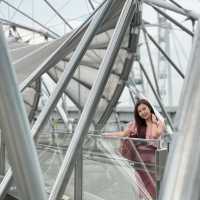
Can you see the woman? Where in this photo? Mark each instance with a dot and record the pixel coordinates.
(147, 126)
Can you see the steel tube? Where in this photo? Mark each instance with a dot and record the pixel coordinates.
(171, 7)
(70, 68)
(16, 131)
(93, 100)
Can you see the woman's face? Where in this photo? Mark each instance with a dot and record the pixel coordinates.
(144, 111)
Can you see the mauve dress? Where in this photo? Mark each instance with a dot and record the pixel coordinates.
(147, 154)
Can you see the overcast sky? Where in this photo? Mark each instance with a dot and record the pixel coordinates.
(74, 11)
(77, 11)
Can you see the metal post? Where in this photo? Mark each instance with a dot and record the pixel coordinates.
(162, 64)
(92, 101)
(15, 127)
(78, 176)
(118, 122)
(151, 61)
(5, 184)
(2, 154)
(165, 55)
(130, 92)
(181, 178)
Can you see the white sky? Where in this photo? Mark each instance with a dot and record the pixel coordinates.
(77, 11)
(74, 11)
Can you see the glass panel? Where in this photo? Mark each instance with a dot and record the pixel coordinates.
(121, 168)
(113, 168)
(51, 147)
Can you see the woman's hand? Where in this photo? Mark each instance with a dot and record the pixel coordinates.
(158, 128)
(154, 119)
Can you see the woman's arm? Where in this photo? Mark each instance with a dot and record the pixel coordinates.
(124, 133)
(131, 129)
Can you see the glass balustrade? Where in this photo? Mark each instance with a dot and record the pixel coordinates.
(113, 168)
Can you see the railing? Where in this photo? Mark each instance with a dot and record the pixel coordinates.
(146, 158)
(104, 170)
(106, 173)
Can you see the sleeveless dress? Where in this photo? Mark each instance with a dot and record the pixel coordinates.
(145, 153)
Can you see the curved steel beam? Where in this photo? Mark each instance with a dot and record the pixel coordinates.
(166, 5)
(92, 102)
(26, 15)
(174, 21)
(131, 53)
(165, 55)
(91, 4)
(36, 100)
(13, 24)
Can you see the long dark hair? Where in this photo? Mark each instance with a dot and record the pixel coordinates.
(140, 122)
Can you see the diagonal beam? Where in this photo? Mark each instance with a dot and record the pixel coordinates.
(175, 3)
(134, 33)
(6, 183)
(2, 154)
(59, 53)
(8, 177)
(59, 108)
(65, 48)
(165, 55)
(67, 93)
(151, 61)
(171, 7)
(21, 150)
(93, 100)
(53, 59)
(91, 4)
(174, 21)
(71, 67)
